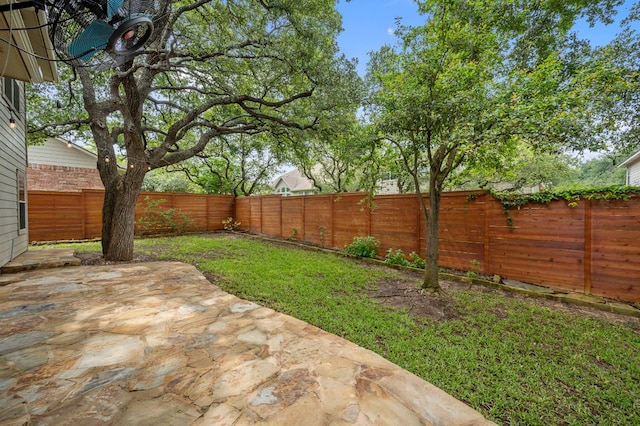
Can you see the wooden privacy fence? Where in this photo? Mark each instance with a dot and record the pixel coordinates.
(592, 248)
(57, 216)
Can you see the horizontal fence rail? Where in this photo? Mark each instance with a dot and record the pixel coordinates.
(593, 247)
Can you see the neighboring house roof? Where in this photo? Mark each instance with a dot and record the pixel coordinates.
(295, 180)
(29, 55)
(58, 152)
(631, 160)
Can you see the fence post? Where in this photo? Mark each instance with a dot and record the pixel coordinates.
(281, 214)
(261, 215)
(588, 233)
(333, 225)
(303, 232)
(369, 216)
(486, 267)
(83, 206)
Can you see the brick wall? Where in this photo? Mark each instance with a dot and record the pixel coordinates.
(42, 177)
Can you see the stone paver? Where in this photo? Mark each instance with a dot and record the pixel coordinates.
(157, 344)
(41, 259)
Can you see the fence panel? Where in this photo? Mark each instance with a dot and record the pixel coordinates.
(55, 216)
(293, 217)
(395, 222)
(318, 219)
(242, 213)
(615, 254)
(219, 208)
(78, 215)
(271, 215)
(93, 201)
(461, 234)
(255, 223)
(544, 244)
(351, 217)
(195, 206)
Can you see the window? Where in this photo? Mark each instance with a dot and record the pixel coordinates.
(12, 93)
(284, 191)
(22, 201)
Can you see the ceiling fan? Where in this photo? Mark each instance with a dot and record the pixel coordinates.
(100, 34)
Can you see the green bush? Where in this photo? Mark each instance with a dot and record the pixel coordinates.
(396, 257)
(363, 247)
(230, 224)
(157, 219)
(416, 261)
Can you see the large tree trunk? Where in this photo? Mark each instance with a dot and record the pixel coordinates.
(431, 269)
(118, 215)
(431, 216)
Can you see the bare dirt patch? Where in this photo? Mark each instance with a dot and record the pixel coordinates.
(404, 292)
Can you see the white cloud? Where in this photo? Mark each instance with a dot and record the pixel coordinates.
(390, 31)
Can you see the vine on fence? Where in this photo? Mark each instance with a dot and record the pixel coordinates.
(512, 200)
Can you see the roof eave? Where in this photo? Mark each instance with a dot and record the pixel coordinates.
(631, 160)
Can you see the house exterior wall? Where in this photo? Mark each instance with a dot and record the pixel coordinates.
(43, 177)
(56, 152)
(282, 188)
(58, 166)
(633, 174)
(13, 161)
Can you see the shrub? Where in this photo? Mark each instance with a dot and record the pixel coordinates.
(416, 261)
(396, 258)
(322, 230)
(230, 224)
(156, 218)
(363, 247)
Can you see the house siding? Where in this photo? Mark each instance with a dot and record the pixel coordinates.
(54, 166)
(633, 174)
(54, 152)
(13, 158)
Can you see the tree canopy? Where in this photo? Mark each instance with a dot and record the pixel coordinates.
(215, 68)
(476, 81)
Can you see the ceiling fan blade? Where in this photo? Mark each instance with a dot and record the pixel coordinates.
(93, 39)
(112, 7)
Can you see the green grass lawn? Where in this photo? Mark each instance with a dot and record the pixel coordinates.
(518, 361)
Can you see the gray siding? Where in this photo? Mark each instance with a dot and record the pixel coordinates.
(633, 174)
(13, 157)
(54, 152)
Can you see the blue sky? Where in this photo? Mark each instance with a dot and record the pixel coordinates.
(369, 24)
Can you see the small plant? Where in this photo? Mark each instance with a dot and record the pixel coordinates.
(416, 261)
(157, 218)
(396, 257)
(230, 224)
(363, 247)
(323, 234)
(294, 234)
(476, 265)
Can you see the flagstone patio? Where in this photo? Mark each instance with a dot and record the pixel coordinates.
(158, 344)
